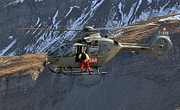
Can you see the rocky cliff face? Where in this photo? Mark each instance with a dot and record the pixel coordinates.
(132, 82)
(70, 14)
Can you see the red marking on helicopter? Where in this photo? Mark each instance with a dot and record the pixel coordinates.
(164, 28)
(93, 60)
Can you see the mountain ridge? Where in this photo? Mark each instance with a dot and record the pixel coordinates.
(68, 14)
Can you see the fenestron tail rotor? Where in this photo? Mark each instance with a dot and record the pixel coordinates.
(162, 45)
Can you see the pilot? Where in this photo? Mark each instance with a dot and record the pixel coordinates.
(84, 58)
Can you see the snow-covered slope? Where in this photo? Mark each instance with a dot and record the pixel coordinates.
(68, 14)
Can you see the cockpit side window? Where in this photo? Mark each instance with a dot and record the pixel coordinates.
(70, 52)
(61, 49)
(57, 52)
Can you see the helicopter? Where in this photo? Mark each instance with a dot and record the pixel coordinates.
(102, 49)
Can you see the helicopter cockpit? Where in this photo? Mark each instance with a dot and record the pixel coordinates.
(57, 52)
(69, 53)
(67, 50)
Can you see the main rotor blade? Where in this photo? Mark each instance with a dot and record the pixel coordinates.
(124, 27)
(84, 29)
(50, 29)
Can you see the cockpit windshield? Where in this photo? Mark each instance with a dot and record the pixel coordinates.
(58, 51)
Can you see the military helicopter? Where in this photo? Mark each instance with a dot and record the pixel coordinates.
(102, 49)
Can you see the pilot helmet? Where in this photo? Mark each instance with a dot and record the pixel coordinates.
(83, 53)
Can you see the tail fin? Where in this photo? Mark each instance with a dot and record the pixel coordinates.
(161, 44)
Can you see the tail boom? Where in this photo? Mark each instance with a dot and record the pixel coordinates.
(160, 44)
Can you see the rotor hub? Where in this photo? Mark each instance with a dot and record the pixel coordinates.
(162, 45)
(87, 28)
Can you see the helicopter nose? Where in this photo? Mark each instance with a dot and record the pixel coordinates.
(51, 59)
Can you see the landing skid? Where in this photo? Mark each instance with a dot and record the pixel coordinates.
(77, 73)
(83, 74)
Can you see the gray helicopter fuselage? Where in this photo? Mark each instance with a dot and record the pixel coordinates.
(99, 49)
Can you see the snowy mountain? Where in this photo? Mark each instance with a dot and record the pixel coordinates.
(70, 14)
